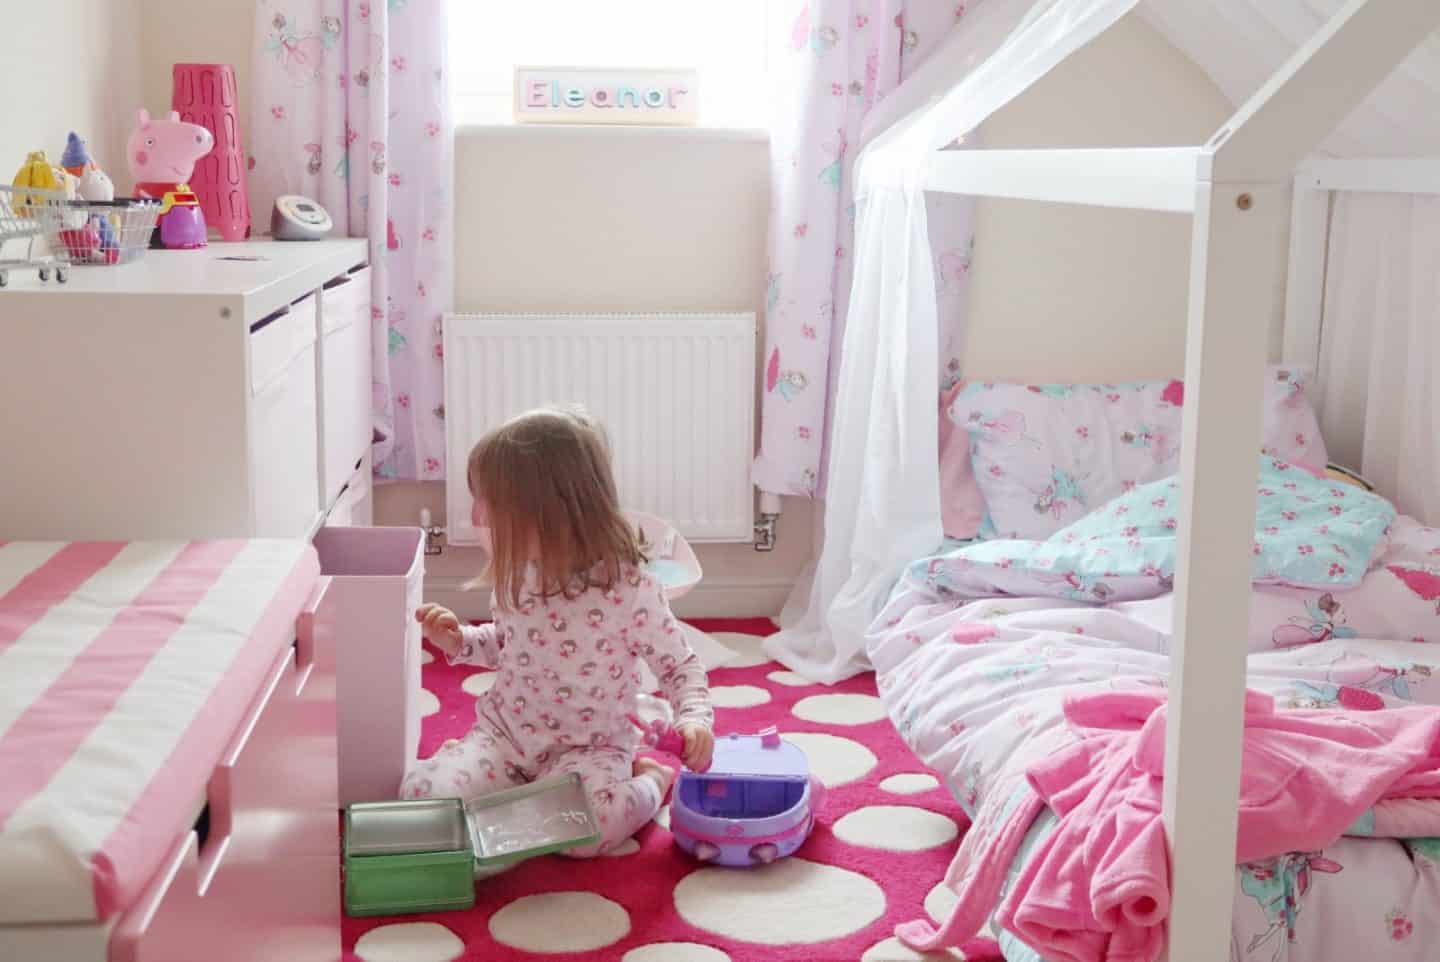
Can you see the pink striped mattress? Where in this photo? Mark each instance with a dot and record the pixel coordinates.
(124, 670)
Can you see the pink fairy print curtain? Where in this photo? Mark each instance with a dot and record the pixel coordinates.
(836, 60)
(351, 106)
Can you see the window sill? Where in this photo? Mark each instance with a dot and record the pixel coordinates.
(724, 134)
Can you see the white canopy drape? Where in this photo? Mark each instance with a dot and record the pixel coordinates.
(882, 500)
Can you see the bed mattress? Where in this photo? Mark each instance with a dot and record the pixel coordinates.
(975, 687)
(124, 670)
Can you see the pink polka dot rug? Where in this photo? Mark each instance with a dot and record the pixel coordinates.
(876, 857)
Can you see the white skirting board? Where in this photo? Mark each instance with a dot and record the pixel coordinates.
(712, 598)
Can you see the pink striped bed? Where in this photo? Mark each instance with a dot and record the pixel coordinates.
(124, 670)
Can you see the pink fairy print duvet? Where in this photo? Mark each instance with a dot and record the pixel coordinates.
(975, 687)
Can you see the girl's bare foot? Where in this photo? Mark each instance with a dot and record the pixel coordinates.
(662, 775)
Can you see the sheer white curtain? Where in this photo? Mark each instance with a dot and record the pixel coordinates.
(1380, 349)
(882, 506)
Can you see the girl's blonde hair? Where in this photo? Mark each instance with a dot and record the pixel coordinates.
(546, 482)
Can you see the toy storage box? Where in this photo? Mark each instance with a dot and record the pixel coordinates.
(424, 855)
(377, 575)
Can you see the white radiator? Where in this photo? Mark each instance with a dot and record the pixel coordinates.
(676, 393)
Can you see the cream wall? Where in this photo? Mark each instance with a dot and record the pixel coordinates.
(1062, 292)
(608, 219)
(195, 31)
(69, 65)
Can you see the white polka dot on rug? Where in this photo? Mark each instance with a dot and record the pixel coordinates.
(429, 704)
(939, 902)
(738, 696)
(789, 679)
(627, 847)
(530, 923)
(409, 942)
(675, 952)
(425, 656)
(909, 783)
(893, 950)
(834, 760)
(479, 683)
(895, 828)
(749, 649)
(786, 902)
(840, 709)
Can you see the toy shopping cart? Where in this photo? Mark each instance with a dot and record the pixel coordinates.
(76, 232)
(97, 233)
(26, 215)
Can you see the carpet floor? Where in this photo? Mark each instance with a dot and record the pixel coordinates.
(879, 849)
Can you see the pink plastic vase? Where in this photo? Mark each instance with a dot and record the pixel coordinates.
(204, 94)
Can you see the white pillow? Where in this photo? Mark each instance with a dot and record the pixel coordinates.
(1044, 455)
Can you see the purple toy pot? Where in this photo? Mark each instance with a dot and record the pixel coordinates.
(756, 803)
(182, 228)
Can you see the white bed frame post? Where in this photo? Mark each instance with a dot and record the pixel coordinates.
(1238, 220)
(1305, 280)
(1237, 245)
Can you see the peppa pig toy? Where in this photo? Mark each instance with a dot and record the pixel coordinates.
(162, 156)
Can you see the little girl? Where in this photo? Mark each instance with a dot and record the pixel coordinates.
(575, 614)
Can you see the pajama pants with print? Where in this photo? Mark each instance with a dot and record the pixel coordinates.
(485, 761)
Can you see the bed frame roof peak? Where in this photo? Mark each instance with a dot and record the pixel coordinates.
(1265, 140)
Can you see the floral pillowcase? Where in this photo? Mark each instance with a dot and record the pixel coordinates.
(1042, 456)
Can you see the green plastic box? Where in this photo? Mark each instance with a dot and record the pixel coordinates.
(403, 857)
(425, 855)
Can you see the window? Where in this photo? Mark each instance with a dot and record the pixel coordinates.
(725, 41)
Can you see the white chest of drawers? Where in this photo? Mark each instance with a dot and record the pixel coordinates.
(190, 395)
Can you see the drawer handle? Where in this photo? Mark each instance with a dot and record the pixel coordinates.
(305, 635)
(125, 940)
(269, 319)
(220, 791)
(279, 375)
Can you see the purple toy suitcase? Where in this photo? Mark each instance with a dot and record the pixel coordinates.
(756, 803)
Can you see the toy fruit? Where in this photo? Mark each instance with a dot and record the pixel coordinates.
(35, 172)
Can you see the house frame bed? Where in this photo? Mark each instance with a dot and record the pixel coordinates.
(1234, 187)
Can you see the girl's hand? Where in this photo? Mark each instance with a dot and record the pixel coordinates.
(440, 626)
(699, 746)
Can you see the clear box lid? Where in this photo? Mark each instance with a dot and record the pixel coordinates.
(546, 816)
(764, 756)
(408, 828)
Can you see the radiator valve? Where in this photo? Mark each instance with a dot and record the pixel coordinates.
(765, 531)
(767, 525)
(434, 534)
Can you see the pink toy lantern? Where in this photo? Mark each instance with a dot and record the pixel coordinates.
(204, 94)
